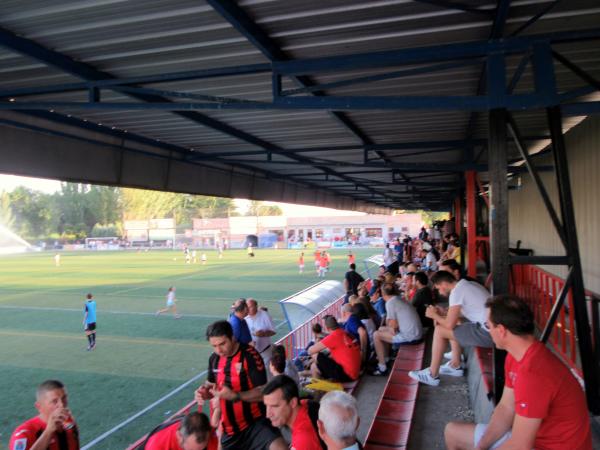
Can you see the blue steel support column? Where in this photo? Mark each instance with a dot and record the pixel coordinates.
(498, 213)
(584, 335)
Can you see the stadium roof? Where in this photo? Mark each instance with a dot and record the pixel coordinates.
(354, 104)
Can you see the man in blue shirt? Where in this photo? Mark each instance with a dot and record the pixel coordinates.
(89, 321)
(241, 331)
(355, 328)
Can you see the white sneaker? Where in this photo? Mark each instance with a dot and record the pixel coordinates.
(424, 376)
(448, 355)
(447, 369)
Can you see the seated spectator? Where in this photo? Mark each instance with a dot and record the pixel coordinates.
(354, 327)
(466, 299)
(542, 405)
(243, 420)
(408, 286)
(239, 325)
(285, 409)
(450, 265)
(54, 426)
(371, 312)
(352, 299)
(338, 421)
(280, 365)
(192, 432)
(344, 359)
(318, 333)
(423, 298)
(359, 310)
(402, 325)
(430, 262)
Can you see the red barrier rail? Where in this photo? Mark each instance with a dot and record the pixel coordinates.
(293, 342)
(540, 289)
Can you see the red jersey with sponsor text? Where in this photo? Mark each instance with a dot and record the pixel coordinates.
(545, 389)
(28, 432)
(240, 372)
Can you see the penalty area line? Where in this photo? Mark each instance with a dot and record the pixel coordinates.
(127, 421)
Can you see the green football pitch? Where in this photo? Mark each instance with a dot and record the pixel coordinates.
(139, 358)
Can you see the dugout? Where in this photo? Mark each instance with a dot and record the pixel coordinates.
(304, 305)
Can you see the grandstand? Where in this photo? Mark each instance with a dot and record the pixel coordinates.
(10, 243)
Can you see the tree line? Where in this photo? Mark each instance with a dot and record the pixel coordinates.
(78, 210)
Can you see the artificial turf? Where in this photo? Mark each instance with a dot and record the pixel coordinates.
(139, 357)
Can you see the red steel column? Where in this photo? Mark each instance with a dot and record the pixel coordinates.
(471, 223)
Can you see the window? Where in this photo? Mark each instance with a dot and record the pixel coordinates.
(374, 232)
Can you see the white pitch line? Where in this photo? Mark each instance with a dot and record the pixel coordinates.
(142, 412)
(135, 313)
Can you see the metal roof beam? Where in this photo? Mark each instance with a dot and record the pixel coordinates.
(443, 52)
(515, 102)
(240, 20)
(456, 5)
(89, 73)
(249, 69)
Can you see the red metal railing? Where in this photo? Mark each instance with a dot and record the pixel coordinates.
(293, 342)
(540, 290)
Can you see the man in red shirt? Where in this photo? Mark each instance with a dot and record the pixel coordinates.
(543, 405)
(53, 428)
(236, 375)
(192, 432)
(284, 408)
(343, 362)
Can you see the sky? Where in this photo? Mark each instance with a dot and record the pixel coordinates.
(9, 182)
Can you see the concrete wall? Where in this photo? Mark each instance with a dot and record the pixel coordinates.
(529, 221)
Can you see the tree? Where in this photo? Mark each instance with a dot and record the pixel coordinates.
(6, 215)
(32, 212)
(260, 209)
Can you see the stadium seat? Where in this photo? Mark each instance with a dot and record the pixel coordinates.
(391, 427)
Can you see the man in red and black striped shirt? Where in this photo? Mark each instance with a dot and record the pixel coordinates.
(236, 375)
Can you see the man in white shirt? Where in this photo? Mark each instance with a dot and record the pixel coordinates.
(466, 300)
(388, 256)
(261, 328)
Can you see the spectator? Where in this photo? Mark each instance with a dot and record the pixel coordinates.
(338, 421)
(450, 265)
(53, 428)
(399, 251)
(284, 408)
(423, 298)
(343, 362)
(430, 262)
(318, 333)
(261, 329)
(402, 326)
(355, 328)
(351, 281)
(388, 256)
(192, 432)
(240, 326)
(542, 406)
(280, 365)
(371, 312)
(360, 310)
(236, 375)
(466, 299)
